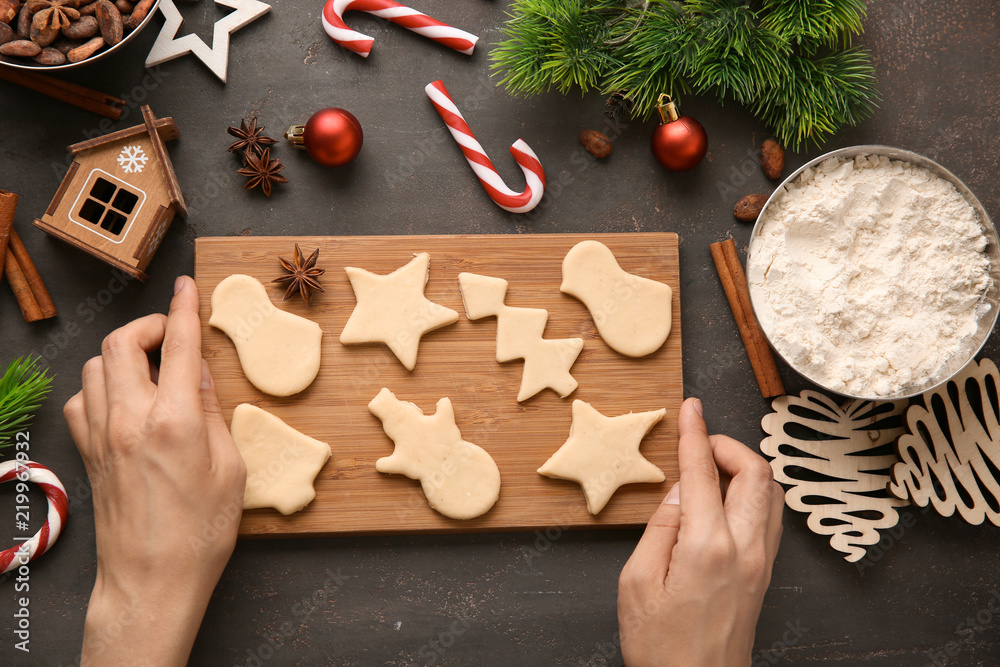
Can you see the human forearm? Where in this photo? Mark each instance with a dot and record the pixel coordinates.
(163, 468)
(156, 625)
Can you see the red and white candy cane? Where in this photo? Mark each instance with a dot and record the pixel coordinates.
(505, 198)
(411, 19)
(58, 511)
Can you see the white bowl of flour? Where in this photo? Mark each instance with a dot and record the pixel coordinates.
(874, 272)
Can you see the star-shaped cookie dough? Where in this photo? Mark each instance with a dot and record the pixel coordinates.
(393, 310)
(282, 463)
(602, 453)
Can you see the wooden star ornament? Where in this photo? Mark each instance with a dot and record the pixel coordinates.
(393, 310)
(216, 57)
(602, 453)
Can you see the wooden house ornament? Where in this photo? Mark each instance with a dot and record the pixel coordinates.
(120, 195)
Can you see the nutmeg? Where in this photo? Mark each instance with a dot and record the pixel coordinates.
(20, 47)
(86, 50)
(110, 22)
(772, 159)
(596, 143)
(748, 208)
(84, 28)
(50, 56)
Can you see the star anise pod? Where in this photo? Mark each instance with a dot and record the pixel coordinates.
(302, 275)
(35, 6)
(262, 171)
(250, 138)
(50, 17)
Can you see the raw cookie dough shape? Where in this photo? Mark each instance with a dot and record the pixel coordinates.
(460, 479)
(281, 462)
(632, 313)
(602, 453)
(519, 336)
(393, 310)
(279, 351)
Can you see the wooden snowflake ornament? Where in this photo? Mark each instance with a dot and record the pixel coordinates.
(837, 462)
(950, 455)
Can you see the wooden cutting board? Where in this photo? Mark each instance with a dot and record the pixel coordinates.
(456, 361)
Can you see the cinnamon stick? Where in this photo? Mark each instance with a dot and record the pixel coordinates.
(22, 290)
(8, 205)
(26, 267)
(71, 93)
(734, 283)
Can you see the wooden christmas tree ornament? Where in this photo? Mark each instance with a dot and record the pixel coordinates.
(837, 462)
(950, 454)
(120, 195)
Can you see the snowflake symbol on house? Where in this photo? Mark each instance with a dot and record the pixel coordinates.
(132, 159)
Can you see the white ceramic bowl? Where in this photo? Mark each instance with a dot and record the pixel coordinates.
(31, 65)
(987, 318)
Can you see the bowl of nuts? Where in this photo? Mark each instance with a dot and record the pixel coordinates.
(62, 34)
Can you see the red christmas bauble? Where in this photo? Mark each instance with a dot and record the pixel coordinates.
(333, 136)
(680, 142)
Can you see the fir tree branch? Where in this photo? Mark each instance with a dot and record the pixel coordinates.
(776, 57)
(654, 60)
(815, 22)
(23, 387)
(735, 56)
(819, 96)
(555, 43)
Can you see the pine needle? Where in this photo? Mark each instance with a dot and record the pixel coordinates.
(23, 387)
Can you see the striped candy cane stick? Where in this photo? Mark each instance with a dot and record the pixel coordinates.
(58, 511)
(504, 197)
(411, 19)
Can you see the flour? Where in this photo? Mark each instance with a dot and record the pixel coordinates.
(868, 275)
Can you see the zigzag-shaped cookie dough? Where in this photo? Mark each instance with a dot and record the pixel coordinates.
(519, 336)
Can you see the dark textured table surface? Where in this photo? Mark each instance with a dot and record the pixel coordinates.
(509, 598)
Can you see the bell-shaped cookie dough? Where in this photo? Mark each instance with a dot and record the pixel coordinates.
(392, 309)
(519, 336)
(281, 462)
(460, 479)
(632, 313)
(602, 453)
(279, 351)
